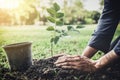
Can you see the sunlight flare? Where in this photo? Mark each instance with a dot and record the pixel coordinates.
(10, 4)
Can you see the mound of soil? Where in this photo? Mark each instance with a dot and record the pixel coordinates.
(45, 69)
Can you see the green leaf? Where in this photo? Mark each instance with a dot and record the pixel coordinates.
(56, 7)
(80, 26)
(64, 34)
(50, 28)
(51, 19)
(51, 11)
(52, 40)
(76, 30)
(63, 31)
(58, 31)
(60, 15)
(56, 39)
(59, 23)
(70, 28)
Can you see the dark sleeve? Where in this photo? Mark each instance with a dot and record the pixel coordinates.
(105, 30)
(117, 48)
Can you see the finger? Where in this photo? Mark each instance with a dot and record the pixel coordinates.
(78, 64)
(61, 60)
(71, 67)
(59, 55)
(73, 58)
(77, 68)
(70, 64)
(68, 58)
(64, 59)
(82, 68)
(62, 64)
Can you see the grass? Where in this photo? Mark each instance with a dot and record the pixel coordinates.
(40, 37)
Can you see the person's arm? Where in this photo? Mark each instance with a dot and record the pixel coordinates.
(107, 24)
(100, 40)
(106, 59)
(89, 52)
(110, 56)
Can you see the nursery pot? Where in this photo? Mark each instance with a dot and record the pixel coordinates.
(19, 56)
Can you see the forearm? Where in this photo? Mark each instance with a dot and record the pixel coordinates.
(89, 52)
(106, 59)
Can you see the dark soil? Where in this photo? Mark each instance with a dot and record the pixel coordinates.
(45, 69)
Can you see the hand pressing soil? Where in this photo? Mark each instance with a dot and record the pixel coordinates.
(80, 63)
(46, 70)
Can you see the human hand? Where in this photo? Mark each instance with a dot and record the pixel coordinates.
(76, 62)
(59, 55)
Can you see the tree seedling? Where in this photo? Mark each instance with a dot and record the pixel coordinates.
(56, 18)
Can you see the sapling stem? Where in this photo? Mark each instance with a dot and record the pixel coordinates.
(54, 34)
(54, 17)
(52, 49)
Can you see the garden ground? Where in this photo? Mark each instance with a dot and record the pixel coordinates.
(40, 37)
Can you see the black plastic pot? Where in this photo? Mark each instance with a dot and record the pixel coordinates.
(19, 56)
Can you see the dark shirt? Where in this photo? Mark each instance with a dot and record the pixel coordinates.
(107, 24)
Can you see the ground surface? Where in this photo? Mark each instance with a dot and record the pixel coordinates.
(73, 45)
(45, 69)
